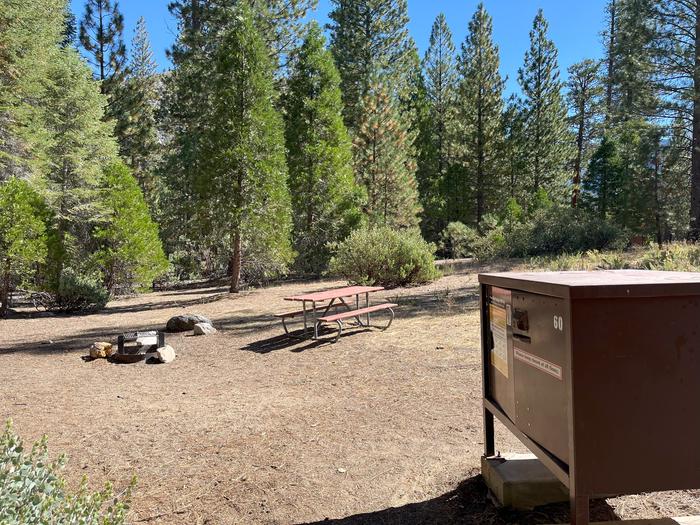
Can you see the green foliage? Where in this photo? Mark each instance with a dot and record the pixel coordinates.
(370, 43)
(32, 491)
(585, 100)
(80, 144)
(138, 133)
(602, 185)
(242, 186)
(678, 257)
(433, 142)
(458, 240)
(22, 235)
(474, 185)
(101, 31)
(384, 162)
(29, 35)
(385, 256)
(129, 254)
(78, 292)
(547, 140)
(549, 229)
(325, 198)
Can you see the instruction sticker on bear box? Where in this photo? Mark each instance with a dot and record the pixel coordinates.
(499, 352)
(539, 363)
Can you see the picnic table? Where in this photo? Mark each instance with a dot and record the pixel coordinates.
(339, 299)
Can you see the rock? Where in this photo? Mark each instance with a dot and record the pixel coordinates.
(185, 322)
(165, 354)
(204, 329)
(101, 349)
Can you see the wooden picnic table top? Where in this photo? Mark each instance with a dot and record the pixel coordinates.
(335, 293)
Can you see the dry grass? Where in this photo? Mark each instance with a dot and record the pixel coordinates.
(245, 427)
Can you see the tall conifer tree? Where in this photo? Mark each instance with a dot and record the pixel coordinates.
(547, 140)
(584, 95)
(435, 153)
(243, 182)
(101, 35)
(678, 61)
(140, 141)
(633, 89)
(384, 161)
(325, 198)
(479, 136)
(369, 39)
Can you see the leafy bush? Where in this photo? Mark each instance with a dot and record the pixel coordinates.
(457, 240)
(384, 256)
(130, 254)
(79, 293)
(32, 491)
(679, 257)
(549, 230)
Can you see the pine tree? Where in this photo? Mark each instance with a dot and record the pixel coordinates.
(602, 183)
(101, 36)
(677, 56)
(584, 96)
(478, 128)
(633, 90)
(22, 235)
(325, 198)
(609, 39)
(435, 155)
(384, 163)
(369, 40)
(129, 253)
(29, 33)
(242, 185)
(140, 142)
(513, 130)
(182, 121)
(547, 141)
(80, 145)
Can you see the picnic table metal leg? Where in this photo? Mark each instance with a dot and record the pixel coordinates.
(367, 305)
(303, 307)
(313, 305)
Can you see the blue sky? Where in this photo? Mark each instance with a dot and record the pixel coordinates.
(575, 26)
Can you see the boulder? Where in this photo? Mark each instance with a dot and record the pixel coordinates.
(185, 322)
(101, 349)
(204, 329)
(165, 354)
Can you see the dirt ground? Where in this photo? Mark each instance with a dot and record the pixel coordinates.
(247, 426)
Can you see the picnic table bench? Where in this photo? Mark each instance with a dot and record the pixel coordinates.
(313, 303)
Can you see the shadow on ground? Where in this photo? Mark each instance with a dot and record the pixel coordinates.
(470, 504)
(294, 342)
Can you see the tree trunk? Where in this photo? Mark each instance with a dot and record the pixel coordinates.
(611, 65)
(579, 155)
(5, 290)
(236, 262)
(694, 233)
(657, 200)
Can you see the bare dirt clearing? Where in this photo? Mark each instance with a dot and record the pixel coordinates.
(247, 426)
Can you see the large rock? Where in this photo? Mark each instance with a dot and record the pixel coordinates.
(185, 322)
(165, 354)
(204, 329)
(101, 349)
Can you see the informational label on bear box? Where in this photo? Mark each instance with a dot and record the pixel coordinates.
(539, 363)
(499, 352)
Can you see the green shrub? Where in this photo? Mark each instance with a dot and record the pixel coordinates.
(384, 256)
(457, 240)
(32, 492)
(549, 230)
(79, 293)
(679, 257)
